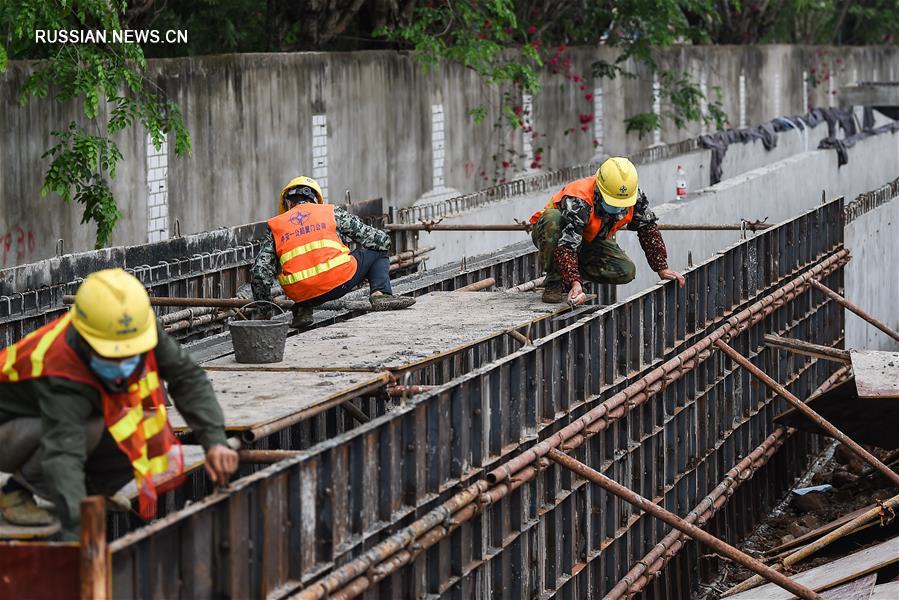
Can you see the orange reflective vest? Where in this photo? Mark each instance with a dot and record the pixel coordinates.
(136, 418)
(313, 259)
(583, 189)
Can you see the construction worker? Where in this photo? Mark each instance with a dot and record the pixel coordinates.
(575, 233)
(83, 407)
(306, 248)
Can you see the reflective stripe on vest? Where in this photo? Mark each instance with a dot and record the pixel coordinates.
(313, 271)
(316, 245)
(37, 357)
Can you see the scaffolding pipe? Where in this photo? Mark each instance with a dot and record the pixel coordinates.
(370, 567)
(748, 226)
(719, 546)
(477, 286)
(527, 286)
(854, 308)
(809, 412)
(639, 576)
(196, 302)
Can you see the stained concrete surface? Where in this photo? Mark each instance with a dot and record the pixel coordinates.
(252, 398)
(439, 322)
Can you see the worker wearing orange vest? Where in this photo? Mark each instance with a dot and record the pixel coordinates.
(83, 407)
(575, 233)
(306, 247)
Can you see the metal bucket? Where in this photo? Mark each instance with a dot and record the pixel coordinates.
(257, 342)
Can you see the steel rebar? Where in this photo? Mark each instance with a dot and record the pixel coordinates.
(643, 570)
(521, 469)
(719, 546)
(809, 412)
(477, 286)
(200, 302)
(749, 226)
(857, 310)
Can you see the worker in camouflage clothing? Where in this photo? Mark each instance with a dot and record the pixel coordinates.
(306, 249)
(575, 233)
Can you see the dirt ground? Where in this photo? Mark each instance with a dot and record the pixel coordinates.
(853, 488)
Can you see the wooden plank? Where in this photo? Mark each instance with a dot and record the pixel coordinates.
(439, 322)
(859, 589)
(886, 591)
(250, 399)
(820, 531)
(826, 576)
(24, 569)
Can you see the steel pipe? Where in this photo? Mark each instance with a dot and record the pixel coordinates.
(748, 226)
(527, 286)
(854, 308)
(813, 350)
(477, 286)
(719, 546)
(266, 456)
(409, 254)
(642, 572)
(398, 391)
(809, 412)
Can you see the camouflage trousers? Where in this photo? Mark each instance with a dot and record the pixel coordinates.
(600, 261)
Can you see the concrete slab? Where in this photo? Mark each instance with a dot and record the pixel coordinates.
(251, 399)
(438, 323)
(876, 373)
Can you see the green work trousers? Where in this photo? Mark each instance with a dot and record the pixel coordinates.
(600, 261)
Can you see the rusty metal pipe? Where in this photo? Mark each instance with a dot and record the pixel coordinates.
(808, 349)
(809, 412)
(409, 254)
(398, 391)
(749, 226)
(527, 286)
(204, 302)
(520, 469)
(643, 571)
(854, 308)
(719, 546)
(477, 286)
(266, 456)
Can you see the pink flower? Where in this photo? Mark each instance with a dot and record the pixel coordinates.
(506, 164)
(577, 78)
(588, 96)
(532, 30)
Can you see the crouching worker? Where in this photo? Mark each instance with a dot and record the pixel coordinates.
(83, 407)
(306, 247)
(575, 233)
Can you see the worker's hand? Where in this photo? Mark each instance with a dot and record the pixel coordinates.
(576, 294)
(673, 275)
(221, 463)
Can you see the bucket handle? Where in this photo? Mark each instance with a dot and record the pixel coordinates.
(244, 317)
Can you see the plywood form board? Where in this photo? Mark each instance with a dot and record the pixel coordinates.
(438, 323)
(876, 373)
(886, 591)
(826, 576)
(858, 589)
(253, 398)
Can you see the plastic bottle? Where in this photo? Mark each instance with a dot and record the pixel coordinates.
(681, 183)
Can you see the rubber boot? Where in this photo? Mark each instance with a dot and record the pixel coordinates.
(302, 317)
(554, 295)
(382, 301)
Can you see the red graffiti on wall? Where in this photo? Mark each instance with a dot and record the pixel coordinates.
(16, 243)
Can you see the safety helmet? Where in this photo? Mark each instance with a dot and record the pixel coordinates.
(112, 313)
(616, 179)
(296, 182)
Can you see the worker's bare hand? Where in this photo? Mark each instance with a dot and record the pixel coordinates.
(673, 275)
(576, 294)
(221, 463)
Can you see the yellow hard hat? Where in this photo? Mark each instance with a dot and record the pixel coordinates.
(112, 313)
(616, 179)
(297, 182)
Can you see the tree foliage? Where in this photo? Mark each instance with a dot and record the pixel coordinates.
(107, 79)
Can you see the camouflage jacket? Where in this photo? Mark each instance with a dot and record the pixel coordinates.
(264, 272)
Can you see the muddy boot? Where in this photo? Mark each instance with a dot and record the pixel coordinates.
(382, 301)
(19, 508)
(554, 295)
(302, 317)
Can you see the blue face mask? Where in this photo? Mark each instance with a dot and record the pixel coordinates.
(612, 210)
(114, 370)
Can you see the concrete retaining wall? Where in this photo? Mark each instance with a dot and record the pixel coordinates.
(366, 121)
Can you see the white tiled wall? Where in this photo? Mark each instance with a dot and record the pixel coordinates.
(598, 121)
(656, 108)
(742, 92)
(438, 147)
(157, 192)
(320, 152)
(527, 148)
